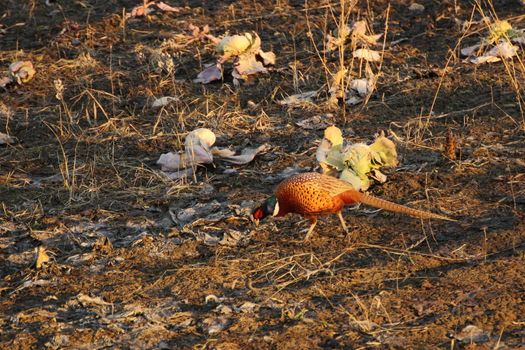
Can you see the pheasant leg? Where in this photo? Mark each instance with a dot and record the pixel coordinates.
(348, 236)
(343, 223)
(313, 222)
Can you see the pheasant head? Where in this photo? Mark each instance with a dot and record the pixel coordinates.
(269, 207)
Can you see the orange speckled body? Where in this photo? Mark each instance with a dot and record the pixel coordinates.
(311, 194)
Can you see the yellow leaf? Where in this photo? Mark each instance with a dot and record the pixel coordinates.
(386, 150)
(236, 45)
(41, 257)
(334, 135)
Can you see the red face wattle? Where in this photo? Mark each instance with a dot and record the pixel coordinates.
(258, 214)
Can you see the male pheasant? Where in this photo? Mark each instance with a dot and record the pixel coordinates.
(314, 194)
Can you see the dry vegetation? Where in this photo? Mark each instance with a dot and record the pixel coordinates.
(115, 271)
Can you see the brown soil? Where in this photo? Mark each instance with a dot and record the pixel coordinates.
(82, 182)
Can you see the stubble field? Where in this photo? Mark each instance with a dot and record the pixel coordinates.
(127, 270)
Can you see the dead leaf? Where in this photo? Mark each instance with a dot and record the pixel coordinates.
(21, 71)
(332, 140)
(367, 55)
(163, 101)
(201, 136)
(41, 257)
(353, 100)
(161, 61)
(503, 49)
(103, 245)
(86, 300)
(518, 36)
(360, 85)
(6, 139)
(450, 145)
(197, 33)
(287, 172)
(170, 161)
(248, 65)
(224, 309)
(188, 215)
(470, 50)
(196, 155)
(5, 81)
(269, 57)
(336, 87)
(357, 33)
(497, 45)
(317, 122)
(146, 9)
(472, 334)
(246, 156)
(338, 39)
(298, 99)
(415, 7)
(166, 8)
(175, 162)
(177, 175)
(485, 59)
(248, 307)
(243, 49)
(359, 36)
(217, 324)
(366, 326)
(209, 74)
(232, 238)
(198, 151)
(141, 10)
(32, 283)
(378, 176)
(35, 314)
(212, 298)
(322, 152)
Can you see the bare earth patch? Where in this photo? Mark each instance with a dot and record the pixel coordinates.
(132, 259)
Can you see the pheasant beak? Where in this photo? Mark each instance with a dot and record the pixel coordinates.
(254, 220)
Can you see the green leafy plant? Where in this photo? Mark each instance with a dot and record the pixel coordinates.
(358, 163)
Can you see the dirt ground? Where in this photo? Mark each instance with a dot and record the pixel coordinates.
(82, 183)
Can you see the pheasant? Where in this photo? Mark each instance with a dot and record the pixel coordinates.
(314, 194)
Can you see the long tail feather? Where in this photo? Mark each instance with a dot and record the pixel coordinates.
(353, 196)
